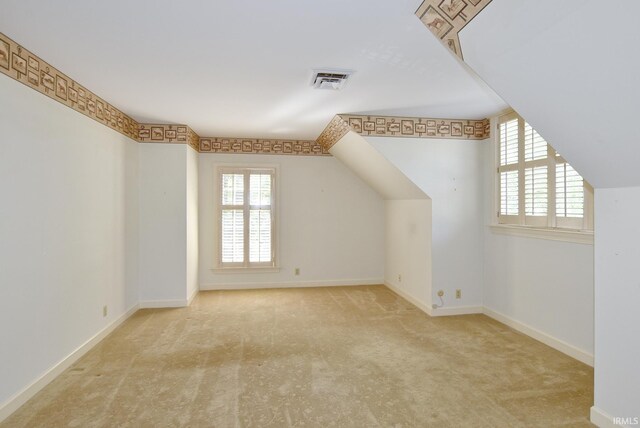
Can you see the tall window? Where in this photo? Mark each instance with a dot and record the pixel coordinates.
(246, 217)
(537, 187)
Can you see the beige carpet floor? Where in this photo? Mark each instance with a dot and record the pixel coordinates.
(323, 357)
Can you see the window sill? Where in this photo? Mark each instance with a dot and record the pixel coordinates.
(246, 270)
(564, 235)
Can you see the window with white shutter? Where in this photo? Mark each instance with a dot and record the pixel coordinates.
(246, 230)
(536, 186)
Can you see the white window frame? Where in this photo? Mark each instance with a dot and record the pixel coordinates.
(246, 265)
(579, 230)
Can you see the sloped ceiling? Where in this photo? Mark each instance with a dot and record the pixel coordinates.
(242, 68)
(570, 69)
(374, 169)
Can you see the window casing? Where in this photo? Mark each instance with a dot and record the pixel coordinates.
(246, 222)
(536, 186)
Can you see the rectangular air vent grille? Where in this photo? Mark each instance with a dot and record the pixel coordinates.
(330, 79)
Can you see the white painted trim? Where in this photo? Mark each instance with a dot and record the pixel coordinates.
(151, 304)
(601, 419)
(193, 296)
(418, 303)
(456, 310)
(435, 312)
(218, 170)
(290, 284)
(534, 333)
(244, 270)
(540, 336)
(564, 235)
(13, 403)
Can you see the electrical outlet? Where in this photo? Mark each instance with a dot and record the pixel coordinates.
(399, 278)
(458, 294)
(105, 310)
(440, 293)
(297, 271)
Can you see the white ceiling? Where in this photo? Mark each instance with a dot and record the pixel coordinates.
(242, 67)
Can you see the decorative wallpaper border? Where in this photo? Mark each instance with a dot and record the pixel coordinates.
(261, 146)
(22, 65)
(418, 127)
(446, 18)
(161, 133)
(25, 67)
(335, 130)
(193, 139)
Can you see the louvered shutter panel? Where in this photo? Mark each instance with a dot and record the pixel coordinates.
(569, 192)
(260, 227)
(537, 187)
(232, 236)
(232, 218)
(246, 217)
(536, 191)
(535, 147)
(509, 193)
(509, 142)
(508, 130)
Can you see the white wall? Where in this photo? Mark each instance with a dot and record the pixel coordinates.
(450, 172)
(594, 131)
(617, 291)
(408, 249)
(68, 232)
(331, 224)
(546, 285)
(538, 284)
(192, 223)
(163, 224)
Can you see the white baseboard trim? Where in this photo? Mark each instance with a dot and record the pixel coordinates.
(291, 284)
(545, 338)
(158, 304)
(456, 310)
(419, 304)
(540, 336)
(193, 296)
(435, 312)
(13, 403)
(601, 419)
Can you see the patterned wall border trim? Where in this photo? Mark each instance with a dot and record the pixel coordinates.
(261, 146)
(446, 18)
(25, 67)
(335, 130)
(162, 133)
(418, 127)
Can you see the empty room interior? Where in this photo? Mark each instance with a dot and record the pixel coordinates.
(380, 213)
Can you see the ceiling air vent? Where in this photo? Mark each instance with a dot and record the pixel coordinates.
(330, 79)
